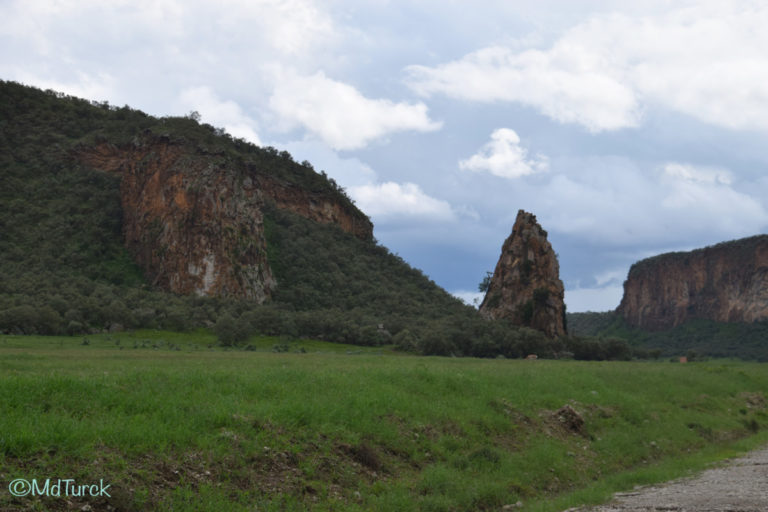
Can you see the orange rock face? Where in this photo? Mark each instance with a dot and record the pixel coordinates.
(195, 225)
(727, 282)
(325, 210)
(526, 285)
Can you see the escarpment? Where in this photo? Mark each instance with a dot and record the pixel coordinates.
(526, 286)
(193, 220)
(727, 282)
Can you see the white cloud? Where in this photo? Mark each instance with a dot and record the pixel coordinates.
(604, 298)
(96, 87)
(709, 193)
(339, 114)
(393, 199)
(221, 114)
(154, 49)
(469, 298)
(287, 26)
(348, 172)
(616, 203)
(504, 156)
(292, 27)
(700, 174)
(706, 59)
(610, 276)
(567, 84)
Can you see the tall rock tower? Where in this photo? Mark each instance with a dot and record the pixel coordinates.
(526, 285)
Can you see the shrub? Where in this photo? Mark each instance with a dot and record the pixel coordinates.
(230, 331)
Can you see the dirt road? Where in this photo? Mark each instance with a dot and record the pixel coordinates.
(741, 486)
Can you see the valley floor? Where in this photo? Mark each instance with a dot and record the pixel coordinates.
(172, 421)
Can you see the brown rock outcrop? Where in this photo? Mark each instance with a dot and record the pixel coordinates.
(727, 282)
(323, 209)
(194, 222)
(526, 285)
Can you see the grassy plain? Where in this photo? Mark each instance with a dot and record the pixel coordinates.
(174, 422)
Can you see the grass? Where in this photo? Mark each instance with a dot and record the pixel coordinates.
(178, 423)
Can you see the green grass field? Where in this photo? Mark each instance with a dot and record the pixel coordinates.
(174, 422)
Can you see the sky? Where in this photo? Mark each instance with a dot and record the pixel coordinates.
(628, 128)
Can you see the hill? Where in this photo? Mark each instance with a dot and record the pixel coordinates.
(695, 338)
(708, 302)
(115, 219)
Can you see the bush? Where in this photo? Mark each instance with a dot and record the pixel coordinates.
(230, 331)
(406, 340)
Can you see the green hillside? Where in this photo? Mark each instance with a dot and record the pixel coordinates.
(66, 269)
(695, 338)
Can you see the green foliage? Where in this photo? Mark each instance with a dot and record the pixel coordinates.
(229, 330)
(66, 269)
(704, 337)
(337, 287)
(525, 312)
(203, 428)
(485, 283)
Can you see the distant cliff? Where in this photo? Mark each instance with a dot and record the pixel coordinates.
(727, 282)
(193, 219)
(526, 286)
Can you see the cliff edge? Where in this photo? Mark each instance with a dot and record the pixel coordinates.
(727, 282)
(193, 219)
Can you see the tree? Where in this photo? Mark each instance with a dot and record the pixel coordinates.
(230, 331)
(485, 283)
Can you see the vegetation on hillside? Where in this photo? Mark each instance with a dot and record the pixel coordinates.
(66, 269)
(738, 251)
(695, 338)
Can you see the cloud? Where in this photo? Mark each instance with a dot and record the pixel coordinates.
(96, 87)
(707, 59)
(339, 114)
(347, 171)
(504, 156)
(225, 114)
(156, 48)
(469, 298)
(697, 174)
(610, 277)
(292, 27)
(604, 298)
(393, 199)
(565, 84)
(614, 202)
(708, 193)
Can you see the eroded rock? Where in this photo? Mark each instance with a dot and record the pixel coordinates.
(727, 282)
(526, 285)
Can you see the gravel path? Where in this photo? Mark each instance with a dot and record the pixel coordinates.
(741, 486)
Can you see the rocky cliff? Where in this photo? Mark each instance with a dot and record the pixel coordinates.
(193, 220)
(526, 285)
(727, 282)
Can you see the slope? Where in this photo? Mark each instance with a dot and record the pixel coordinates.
(68, 268)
